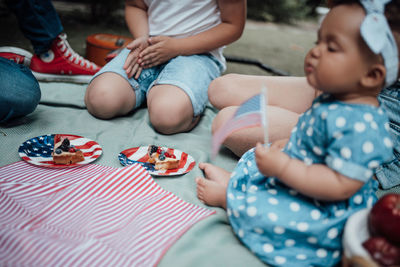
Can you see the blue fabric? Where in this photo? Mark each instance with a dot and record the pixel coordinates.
(376, 32)
(284, 227)
(388, 174)
(38, 20)
(193, 74)
(20, 91)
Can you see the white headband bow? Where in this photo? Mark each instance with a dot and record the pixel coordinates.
(376, 32)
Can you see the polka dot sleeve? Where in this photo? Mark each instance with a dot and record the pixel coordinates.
(359, 141)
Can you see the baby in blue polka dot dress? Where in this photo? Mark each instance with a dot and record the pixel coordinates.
(289, 206)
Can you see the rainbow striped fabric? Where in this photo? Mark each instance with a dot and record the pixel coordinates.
(88, 216)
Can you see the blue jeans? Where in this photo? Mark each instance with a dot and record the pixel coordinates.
(19, 90)
(38, 21)
(389, 173)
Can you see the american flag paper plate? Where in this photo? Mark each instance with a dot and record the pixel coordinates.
(139, 155)
(38, 150)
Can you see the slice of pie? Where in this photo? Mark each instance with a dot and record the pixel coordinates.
(161, 159)
(64, 152)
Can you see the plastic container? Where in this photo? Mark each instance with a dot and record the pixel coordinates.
(98, 46)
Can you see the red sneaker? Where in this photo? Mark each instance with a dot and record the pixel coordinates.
(62, 64)
(18, 55)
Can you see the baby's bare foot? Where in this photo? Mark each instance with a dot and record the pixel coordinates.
(215, 173)
(211, 192)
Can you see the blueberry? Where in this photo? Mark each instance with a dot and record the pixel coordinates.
(64, 145)
(153, 149)
(65, 142)
(161, 157)
(63, 148)
(58, 151)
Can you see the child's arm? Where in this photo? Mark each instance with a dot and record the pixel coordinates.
(316, 180)
(136, 19)
(163, 48)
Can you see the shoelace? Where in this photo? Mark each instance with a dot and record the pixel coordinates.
(17, 60)
(71, 55)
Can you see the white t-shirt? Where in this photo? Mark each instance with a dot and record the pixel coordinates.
(183, 18)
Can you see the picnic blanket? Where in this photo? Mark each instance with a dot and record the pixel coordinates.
(210, 241)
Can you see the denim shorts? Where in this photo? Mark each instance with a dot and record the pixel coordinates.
(388, 174)
(193, 74)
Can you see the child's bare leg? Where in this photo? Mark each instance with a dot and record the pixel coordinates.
(170, 109)
(211, 190)
(291, 93)
(109, 95)
(288, 97)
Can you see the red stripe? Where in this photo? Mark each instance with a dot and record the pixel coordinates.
(70, 136)
(184, 158)
(87, 145)
(129, 152)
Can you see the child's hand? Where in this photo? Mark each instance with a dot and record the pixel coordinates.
(161, 49)
(270, 161)
(131, 65)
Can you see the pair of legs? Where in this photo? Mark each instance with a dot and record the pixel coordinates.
(288, 97)
(170, 110)
(176, 91)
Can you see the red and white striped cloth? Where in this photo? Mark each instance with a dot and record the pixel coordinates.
(88, 216)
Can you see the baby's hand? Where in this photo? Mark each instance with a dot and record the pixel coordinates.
(279, 144)
(161, 49)
(270, 161)
(131, 65)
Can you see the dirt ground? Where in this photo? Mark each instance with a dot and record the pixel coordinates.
(279, 46)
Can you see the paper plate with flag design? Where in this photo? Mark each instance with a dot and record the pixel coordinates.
(38, 150)
(140, 155)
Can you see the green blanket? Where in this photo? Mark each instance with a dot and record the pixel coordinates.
(210, 242)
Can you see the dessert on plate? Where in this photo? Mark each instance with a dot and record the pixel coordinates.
(161, 159)
(64, 152)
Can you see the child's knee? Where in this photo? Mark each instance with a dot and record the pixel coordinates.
(214, 89)
(168, 119)
(99, 101)
(217, 88)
